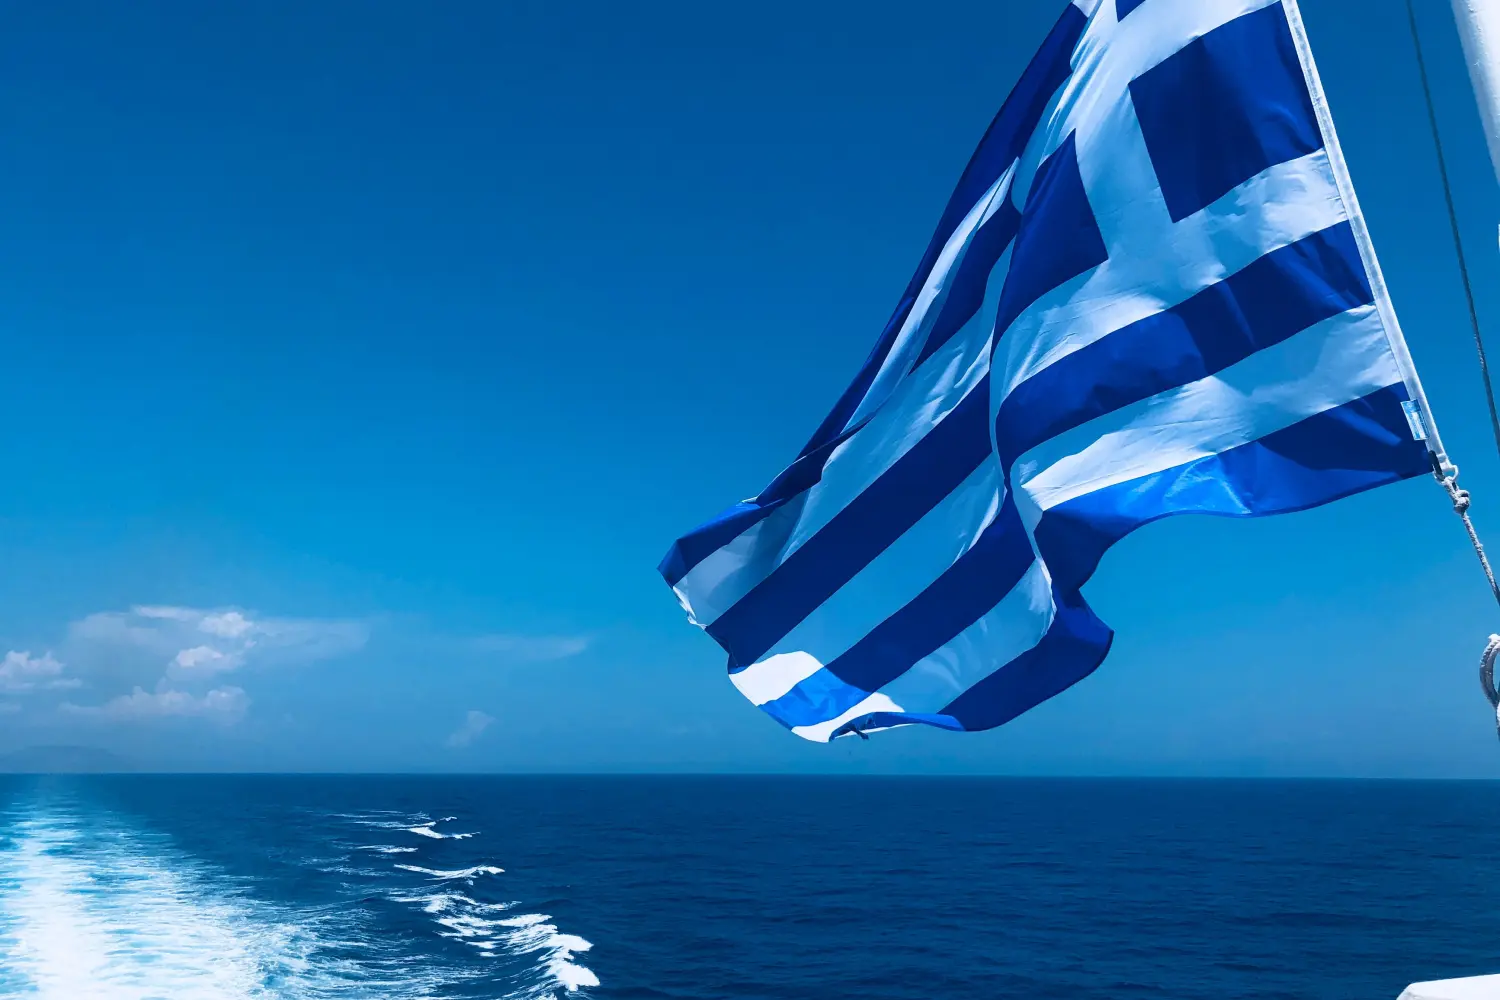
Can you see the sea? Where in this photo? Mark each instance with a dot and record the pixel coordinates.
(271, 887)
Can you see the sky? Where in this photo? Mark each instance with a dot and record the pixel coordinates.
(360, 360)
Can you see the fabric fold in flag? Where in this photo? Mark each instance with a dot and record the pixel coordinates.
(1151, 293)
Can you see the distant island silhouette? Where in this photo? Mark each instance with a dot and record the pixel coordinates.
(63, 760)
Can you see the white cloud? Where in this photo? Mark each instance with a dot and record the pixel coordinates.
(474, 724)
(206, 659)
(166, 612)
(224, 705)
(533, 648)
(21, 672)
(227, 625)
(195, 640)
(173, 660)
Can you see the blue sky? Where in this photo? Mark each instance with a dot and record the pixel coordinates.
(361, 360)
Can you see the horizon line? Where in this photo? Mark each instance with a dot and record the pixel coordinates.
(806, 775)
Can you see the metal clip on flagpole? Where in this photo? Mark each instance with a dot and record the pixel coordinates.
(1479, 28)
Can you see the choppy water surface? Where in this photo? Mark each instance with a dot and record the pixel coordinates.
(202, 888)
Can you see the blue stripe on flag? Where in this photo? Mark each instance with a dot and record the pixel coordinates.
(1003, 142)
(887, 720)
(703, 541)
(957, 599)
(972, 278)
(1001, 145)
(817, 699)
(1058, 240)
(1224, 108)
(1339, 452)
(1277, 296)
(915, 484)
(1073, 648)
(977, 582)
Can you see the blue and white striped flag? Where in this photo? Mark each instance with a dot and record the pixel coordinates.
(1152, 293)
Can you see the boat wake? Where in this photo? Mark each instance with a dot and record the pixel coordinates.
(105, 916)
(493, 928)
(92, 906)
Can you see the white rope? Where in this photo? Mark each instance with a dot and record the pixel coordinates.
(1487, 677)
(1449, 476)
(1461, 503)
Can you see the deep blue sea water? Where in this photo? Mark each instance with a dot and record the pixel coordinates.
(181, 888)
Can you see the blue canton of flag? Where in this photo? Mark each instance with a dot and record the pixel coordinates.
(1152, 293)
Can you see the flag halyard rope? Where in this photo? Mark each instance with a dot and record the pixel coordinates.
(1460, 497)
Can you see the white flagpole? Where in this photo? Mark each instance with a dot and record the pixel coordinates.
(1479, 27)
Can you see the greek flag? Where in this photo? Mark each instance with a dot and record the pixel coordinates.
(1152, 293)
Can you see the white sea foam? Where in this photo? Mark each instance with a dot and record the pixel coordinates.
(426, 830)
(441, 902)
(483, 925)
(458, 873)
(572, 975)
(381, 819)
(532, 933)
(480, 926)
(495, 930)
(417, 824)
(384, 849)
(92, 909)
(112, 922)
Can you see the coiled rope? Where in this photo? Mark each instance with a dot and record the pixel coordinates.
(1487, 676)
(1461, 504)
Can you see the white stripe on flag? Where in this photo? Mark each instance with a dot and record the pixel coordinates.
(929, 303)
(1109, 57)
(774, 676)
(823, 731)
(894, 579)
(1325, 366)
(1015, 625)
(920, 402)
(1012, 627)
(1278, 207)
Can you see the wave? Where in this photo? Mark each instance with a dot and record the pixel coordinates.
(418, 824)
(383, 849)
(531, 932)
(483, 927)
(440, 902)
(459, 873)
(426, 830)
(380, 819)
